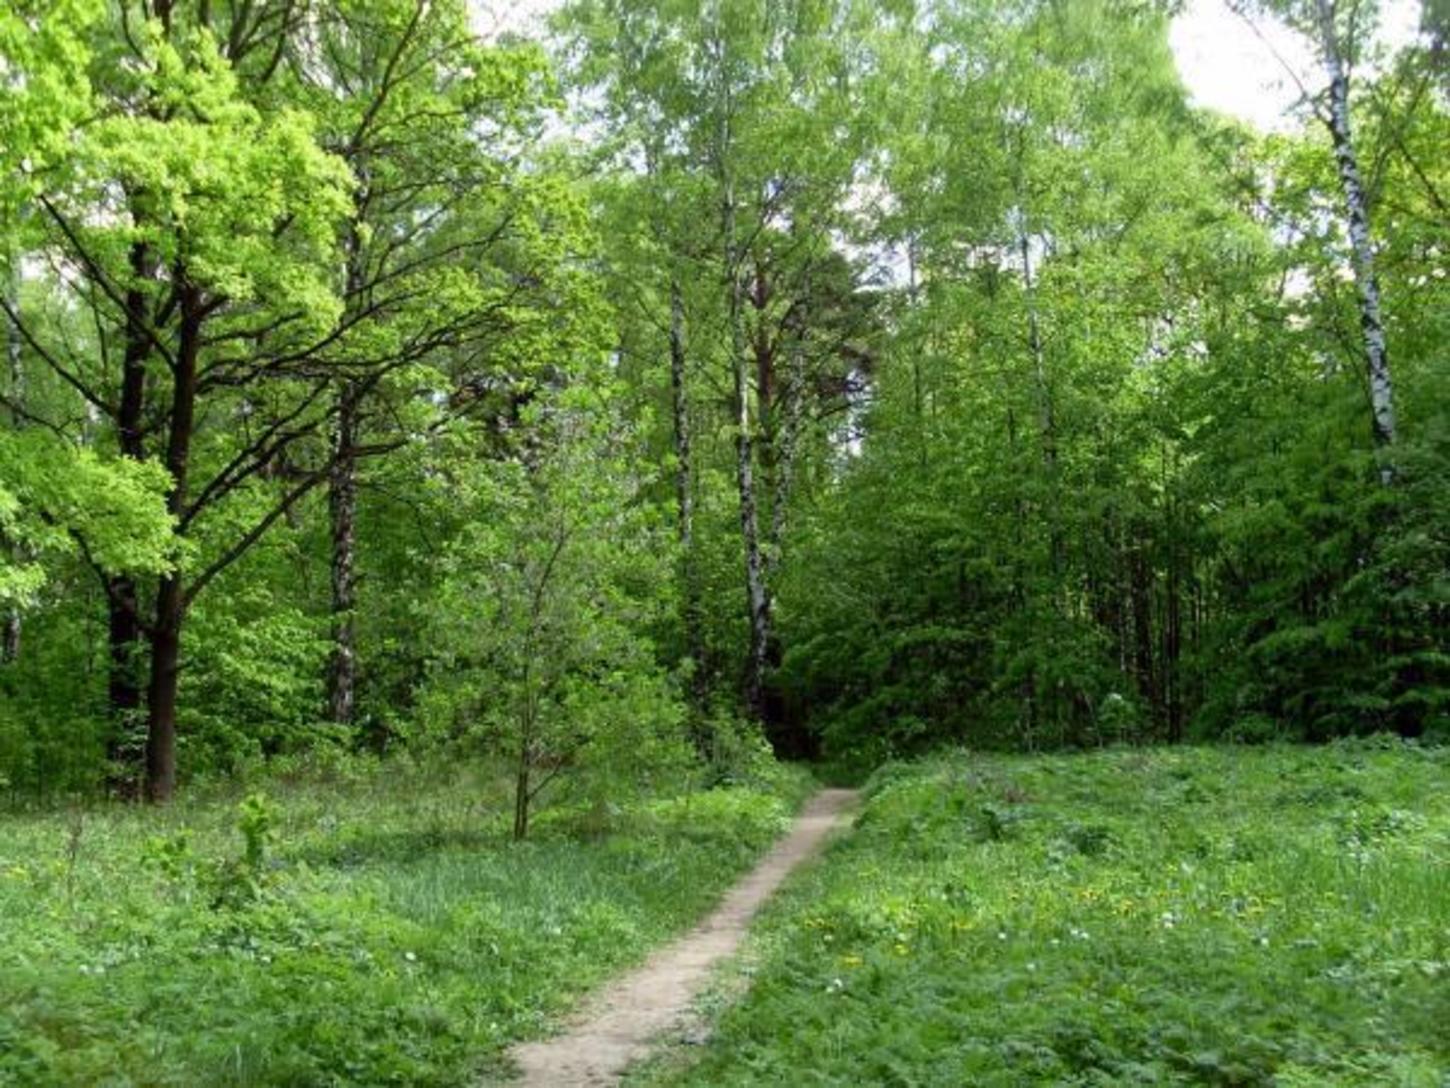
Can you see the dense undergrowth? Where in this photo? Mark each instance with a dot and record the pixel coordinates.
(371, 932)
(1198, 916)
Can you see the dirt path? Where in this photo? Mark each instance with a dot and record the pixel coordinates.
(618, 1025)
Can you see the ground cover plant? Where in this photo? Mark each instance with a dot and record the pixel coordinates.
(1197, 916)
(381, 931)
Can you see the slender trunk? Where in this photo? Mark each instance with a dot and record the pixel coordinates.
(767, 422)
(757, 599)
(1170, 680)
(786, 447)
(170, 598)
(1381, 389)
(342, 508)
(913, 294)
(10, 636)
(1172, 648)
(523, 785)
(1046, 421)
(342, 502)
(521, 795)
(692, 614)
(1141, 591)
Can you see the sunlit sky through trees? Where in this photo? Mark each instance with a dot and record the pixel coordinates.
(1226, 66)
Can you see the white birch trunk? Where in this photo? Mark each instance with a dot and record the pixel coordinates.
(1381, 388)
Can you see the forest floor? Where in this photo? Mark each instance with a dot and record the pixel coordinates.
(1195, 916)
(384, 931)
(1180, 916)
(621, 1022)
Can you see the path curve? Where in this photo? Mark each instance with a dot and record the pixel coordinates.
(621, 1022)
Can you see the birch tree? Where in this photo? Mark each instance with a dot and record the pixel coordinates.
(1339, 33)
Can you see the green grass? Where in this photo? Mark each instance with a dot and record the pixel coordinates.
(390, 934)
(1221, 917)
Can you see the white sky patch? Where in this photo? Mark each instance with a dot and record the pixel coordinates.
(1229, 68)
(494, 17)
(1224, 64)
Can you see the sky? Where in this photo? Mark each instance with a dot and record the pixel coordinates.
(1224, 64)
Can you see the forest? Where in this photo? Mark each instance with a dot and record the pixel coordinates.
(463, 485)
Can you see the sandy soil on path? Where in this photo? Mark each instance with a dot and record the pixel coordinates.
(618, 1025)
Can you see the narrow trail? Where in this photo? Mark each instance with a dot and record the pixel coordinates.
(619, 1024)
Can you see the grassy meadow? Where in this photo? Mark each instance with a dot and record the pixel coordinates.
(1136, 917)
(379, 931)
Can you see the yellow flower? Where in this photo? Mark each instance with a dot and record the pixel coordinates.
(852, 961)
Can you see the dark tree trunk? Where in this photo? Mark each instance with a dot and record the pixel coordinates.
(123, 602)
(125, 747)
(161, 694)
(342, 507)
(521, 796)
(10, 635)
(170, 598)
(1141, 594)
(1172, 650)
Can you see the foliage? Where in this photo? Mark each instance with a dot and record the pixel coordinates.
(56, 500)
(538, 629)
(893, 375)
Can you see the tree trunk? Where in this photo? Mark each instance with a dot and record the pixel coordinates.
(692, 613)
(123, 601)
(10, 636)
(785, 435)
(757, 599)
(342, 508)
(1046, 418)
(170, 599)
(521, 796)
(1381, 389)
(1141, 597)
(161, 694)
(124, 689)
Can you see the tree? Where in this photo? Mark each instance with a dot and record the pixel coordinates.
(544, 599)
(721, 102)
(1338, 32)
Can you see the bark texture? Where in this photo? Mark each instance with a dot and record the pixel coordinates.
(171, 601)
(124, 631)
(692, 616)
(1381, 388)
(342, 510)
(10, 634)
(757, 599)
